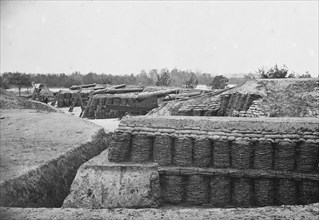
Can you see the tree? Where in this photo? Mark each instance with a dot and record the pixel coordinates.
(153, 75)
(204, 78)
(273, 72)
(104, 79)
(5, 80)
(90, 78)
(20, 80)
(143, 79)
(219, 82)
(164, 79)
(192, 82)
(75, 79)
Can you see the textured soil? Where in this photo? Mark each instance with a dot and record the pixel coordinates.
(282, 212)
(32, 135)
(8, 100)
(30, 138)
(41, 150)
(290, 98)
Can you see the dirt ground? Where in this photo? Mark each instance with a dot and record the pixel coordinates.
(108, 124)
(29, 138)
(177, 213)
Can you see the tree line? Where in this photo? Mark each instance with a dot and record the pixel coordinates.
(154, 77)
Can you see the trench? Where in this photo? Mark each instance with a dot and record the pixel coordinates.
(49, 184)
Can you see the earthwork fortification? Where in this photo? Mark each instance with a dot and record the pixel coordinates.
(225, 161)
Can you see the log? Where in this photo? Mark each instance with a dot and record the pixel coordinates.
(116, 91)
(75, 87)
(77, 97)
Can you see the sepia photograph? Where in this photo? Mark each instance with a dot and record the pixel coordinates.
(135, 109)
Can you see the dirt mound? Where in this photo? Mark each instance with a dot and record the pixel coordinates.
(10, 101)
(290, 98)
(266, 97)
(40, 154)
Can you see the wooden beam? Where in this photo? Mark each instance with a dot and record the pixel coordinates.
(83, 112)
(77, 96)
(56, 98)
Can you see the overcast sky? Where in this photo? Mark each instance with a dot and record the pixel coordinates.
(127, 36)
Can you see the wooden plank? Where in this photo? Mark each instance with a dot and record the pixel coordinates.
(250, 173)
(115, 91)
(83, 112)
(75, 87)
(77, 96)
(81, 102)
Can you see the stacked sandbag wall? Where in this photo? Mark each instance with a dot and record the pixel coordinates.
(222, 167)
(227, 105)
(253, 111)
(66, 98)
(109, 106)
(98, 108)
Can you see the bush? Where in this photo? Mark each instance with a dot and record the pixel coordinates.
(219, 82)
(273, 73)
(164, 79)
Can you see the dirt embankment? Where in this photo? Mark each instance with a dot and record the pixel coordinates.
(40, 154)
(267, 97)
(41, 150)
(10, 101)
(290, 98)
(282, 212)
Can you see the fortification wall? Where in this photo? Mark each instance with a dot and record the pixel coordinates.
(226, 161)
(65, 98)
(262, 97)
(230, 104)
(116, 105)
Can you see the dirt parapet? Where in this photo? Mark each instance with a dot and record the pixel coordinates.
(48, 185)
(40, 155)
(10, 101)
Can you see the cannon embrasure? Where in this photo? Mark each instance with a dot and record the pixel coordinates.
(113, 102)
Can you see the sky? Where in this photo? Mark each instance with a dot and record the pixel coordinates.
(123, 37)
